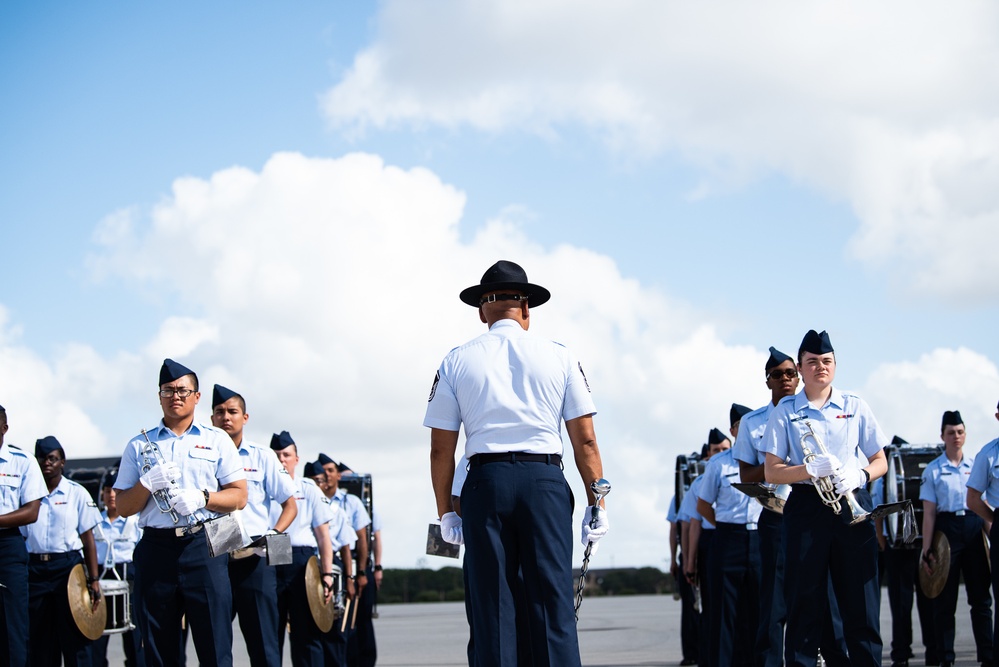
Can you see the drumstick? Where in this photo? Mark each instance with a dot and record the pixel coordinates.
(353, 618)
(346, 610)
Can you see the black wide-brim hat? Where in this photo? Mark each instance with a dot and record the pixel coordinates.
(505, 275)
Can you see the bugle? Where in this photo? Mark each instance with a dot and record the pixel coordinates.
(826, 486)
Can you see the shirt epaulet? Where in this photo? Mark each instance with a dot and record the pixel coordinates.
(16, 451)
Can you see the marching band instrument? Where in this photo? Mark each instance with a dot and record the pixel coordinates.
(323, 612)
(905, 472)
(826, 486)
(152, 456)
(933, 582)
(89, 620)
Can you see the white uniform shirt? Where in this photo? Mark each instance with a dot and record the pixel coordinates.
(123, 534)
(511, 390)
(845, 424)
(353, 508)
(313, 511)
(268, 485)
(207, 459)
(64, 515)
(21, 480)
(341, 532)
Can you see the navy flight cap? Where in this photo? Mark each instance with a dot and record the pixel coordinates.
(281, 441)
(310, 470)
(47, 445)
(715, 437)
(222, 394)
(737, 412)
(325, 460)
(171, 370)
(950, 418)
(816, 343)
(896, 440)
(776, 359)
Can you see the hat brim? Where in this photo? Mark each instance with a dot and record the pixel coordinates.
(537, 295)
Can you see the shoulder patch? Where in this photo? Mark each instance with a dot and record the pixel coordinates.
(585, 381)
(433, 389)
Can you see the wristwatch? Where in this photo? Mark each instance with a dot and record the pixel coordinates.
(378, 568)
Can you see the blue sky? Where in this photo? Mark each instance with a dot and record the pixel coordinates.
(307, 187)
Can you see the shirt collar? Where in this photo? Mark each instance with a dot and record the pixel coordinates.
(835, 398)
(506, 327)
(193, 429)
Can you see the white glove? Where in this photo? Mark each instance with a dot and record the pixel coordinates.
(822, 465)
(187, 501)
(597, 531)
(451, 528)
(849, 479)
(160, 476)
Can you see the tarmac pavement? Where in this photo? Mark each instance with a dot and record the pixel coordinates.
(630, 631)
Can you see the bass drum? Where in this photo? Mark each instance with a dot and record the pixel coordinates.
(906, 464)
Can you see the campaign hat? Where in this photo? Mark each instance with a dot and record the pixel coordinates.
(505, 275)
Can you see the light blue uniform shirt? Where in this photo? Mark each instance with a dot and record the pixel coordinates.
(341, 532)
(266, 481)
(945, 484)
(313, 511)
(688, 508)
(21, 480)
(985, 473)
(511, 390)
(673, 510)
(353, 508)
(751, 429)
(730, 504)
(122, 533)
(845, 424)
(207, 460)
(64, 515)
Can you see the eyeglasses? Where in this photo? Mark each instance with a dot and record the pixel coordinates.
(788, 373)
(181, 393)
(51, 458)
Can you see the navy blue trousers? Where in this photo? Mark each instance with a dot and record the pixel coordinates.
(704, 579)
(175, 576)
(53, 633)
(13, 599)
(517, 519)
(361, 648)
(253, 583)
(735, 590)
(901, 572)
(689, 618)
(822, 549)
(293, 609)
(770, 633)
(967, 557)
(335, 642)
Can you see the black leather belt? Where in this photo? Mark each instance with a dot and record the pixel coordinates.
(302, 550)
(184, 531)
(959, 513)
(45, 558)
(515, 457)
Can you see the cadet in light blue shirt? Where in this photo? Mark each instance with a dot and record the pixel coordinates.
(268, 487)
(21, 490)
(309, 534)
(983, 487)
(943, 490)
(820, 544)
(66, 520)
(176, 476)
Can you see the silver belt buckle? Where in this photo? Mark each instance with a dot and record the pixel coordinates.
(188, 530)
(751, 526)
(959, 513)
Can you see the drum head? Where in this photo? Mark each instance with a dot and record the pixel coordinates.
(933, 582)
(90, 621)
(323, 612)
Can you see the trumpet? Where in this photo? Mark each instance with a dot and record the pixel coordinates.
(825, 485)
(151, 456)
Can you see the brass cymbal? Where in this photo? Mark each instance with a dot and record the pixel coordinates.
(322, 611)
(933, 583)
(91, 622)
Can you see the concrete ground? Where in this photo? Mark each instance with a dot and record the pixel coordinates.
(639, 631)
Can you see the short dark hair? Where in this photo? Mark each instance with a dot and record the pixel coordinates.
(3, 416)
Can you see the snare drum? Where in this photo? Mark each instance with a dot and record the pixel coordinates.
(338, 600)
(118, 597)
(906, 464)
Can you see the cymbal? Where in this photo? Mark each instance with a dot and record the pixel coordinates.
(322, 611)
(933, 583)
(91, 622)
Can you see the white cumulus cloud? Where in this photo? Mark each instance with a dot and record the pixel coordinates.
(892, 107)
